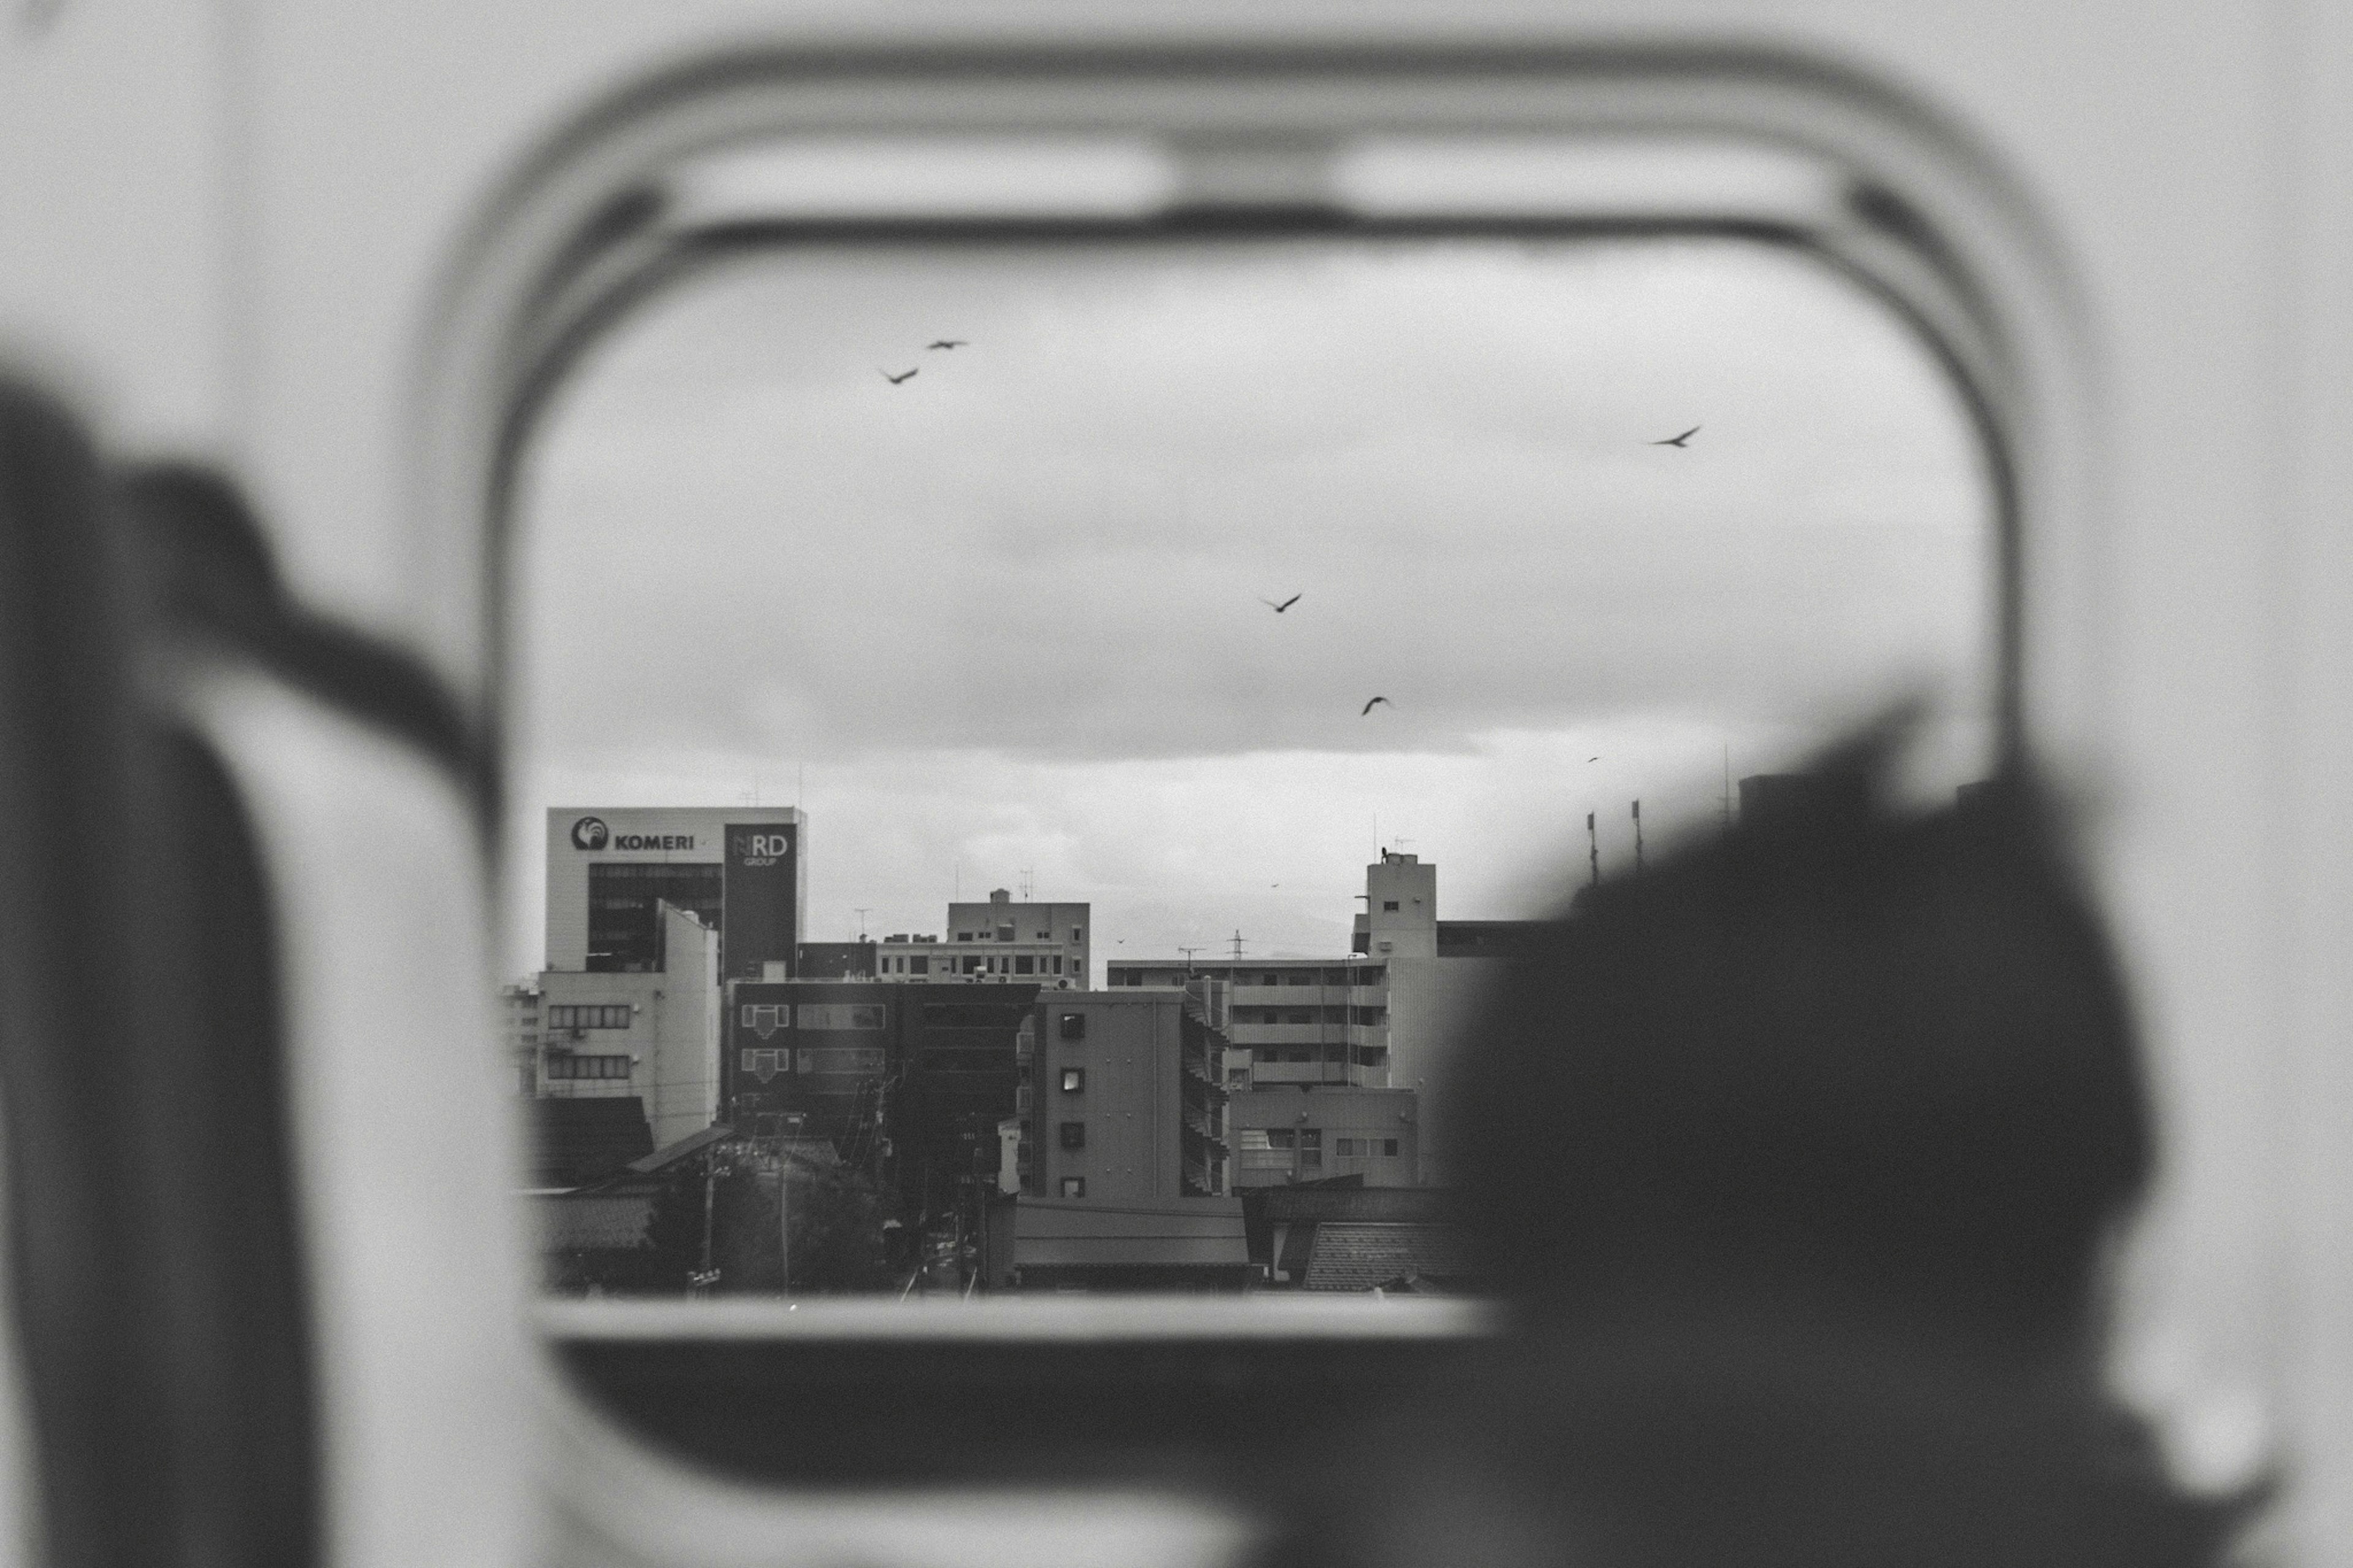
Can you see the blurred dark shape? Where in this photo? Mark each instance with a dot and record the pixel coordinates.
(1799, 1157)
(206, 570)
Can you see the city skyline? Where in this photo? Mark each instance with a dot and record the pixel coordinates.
(1014, 615)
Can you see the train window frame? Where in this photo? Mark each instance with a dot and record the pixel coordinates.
(1904, 204)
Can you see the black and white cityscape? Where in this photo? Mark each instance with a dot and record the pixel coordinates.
(1135, 634)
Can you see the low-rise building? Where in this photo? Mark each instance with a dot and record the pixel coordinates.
(1311, 1133)
(908, 1083)
(652, 1035)
(1126, 1177)
(1047, 942)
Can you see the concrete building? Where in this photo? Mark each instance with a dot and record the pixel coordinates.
(1301, 1020)
(519, 1033)
(1126, 1182)
(742, 871)
(1389, 1017)
(908, 1084)
(1047, 942)
(649, 1033)
(913, 959)
(1284, 1136)
(832, 961)
(1128, 1101)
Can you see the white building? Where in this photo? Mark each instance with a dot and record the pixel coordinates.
(650, 1034)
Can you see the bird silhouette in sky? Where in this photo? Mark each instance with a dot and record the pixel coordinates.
(1678, 440)
(895, 380)
(1593, 759)
(947, 344)
(1375, 702)
(1286, 604)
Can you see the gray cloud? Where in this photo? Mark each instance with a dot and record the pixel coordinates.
(1046, 551)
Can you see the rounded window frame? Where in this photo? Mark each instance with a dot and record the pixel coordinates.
(1930, 225)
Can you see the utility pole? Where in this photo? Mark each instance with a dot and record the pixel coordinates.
(710, 1195)
(1237, 940)
(785, 1216)
(1189, 952)
(1638, 839)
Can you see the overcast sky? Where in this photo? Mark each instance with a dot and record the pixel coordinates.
(1005, 617)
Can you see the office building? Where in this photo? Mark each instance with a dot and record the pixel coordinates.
(1388, 1016)
(742, 871)
(1049, 942)
(652, 1035)
(1127, 1163)
(908, 1084)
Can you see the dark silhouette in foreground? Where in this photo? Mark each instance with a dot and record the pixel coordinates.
(1798, 1156)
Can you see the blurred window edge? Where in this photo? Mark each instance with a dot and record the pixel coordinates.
(1555, 137)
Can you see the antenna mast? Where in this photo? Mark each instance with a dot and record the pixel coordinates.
(1236, 940)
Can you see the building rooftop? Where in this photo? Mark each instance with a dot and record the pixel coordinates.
(1357, 1257)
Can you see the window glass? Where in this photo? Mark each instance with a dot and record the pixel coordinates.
(1662, 515)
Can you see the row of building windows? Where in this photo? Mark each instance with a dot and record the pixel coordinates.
(1362, 1017)
(1017, 963)
(599, 1015)
(1007, 933)
(1361, 976)
(764, 1020)
(587, 1066)
(765, 1064)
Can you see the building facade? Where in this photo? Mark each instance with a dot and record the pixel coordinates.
(653, 1034)
(1301, 1020)
(742, 872)
(1127, 1102)
(1047, 942)
(1311, 1133)
(908, 1084)
(1392, 1016)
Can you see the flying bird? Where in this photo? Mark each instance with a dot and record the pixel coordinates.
(947, 344)
(1678, 440)
(1593, 759)
(1286, 604)
(895, 380)
(1375, 702)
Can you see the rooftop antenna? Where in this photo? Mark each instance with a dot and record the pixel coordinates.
(1189, 952)
(1638, 839)
(862, 922)
(1026, 872)
(1592, 847)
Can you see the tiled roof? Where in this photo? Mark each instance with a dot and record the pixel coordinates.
(1350, 1257)
(574, 1222)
